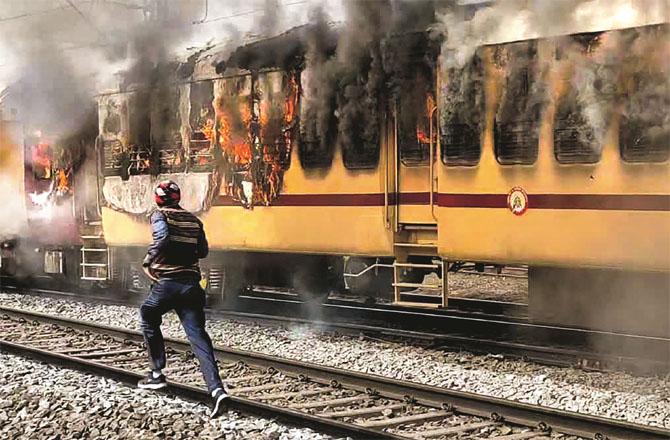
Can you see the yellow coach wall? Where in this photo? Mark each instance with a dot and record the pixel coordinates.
(351, 230)
(563, 237)
(13, 217)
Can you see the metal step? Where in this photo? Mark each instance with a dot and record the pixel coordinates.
(441, 286)
(85, 278)
(419, 285)
(417, 265)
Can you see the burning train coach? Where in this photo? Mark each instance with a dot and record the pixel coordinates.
(369, 174)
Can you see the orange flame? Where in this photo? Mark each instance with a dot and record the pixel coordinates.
(423, 124)
(62, 181)
(41, 160)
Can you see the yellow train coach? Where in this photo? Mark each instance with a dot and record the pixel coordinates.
(552, 153)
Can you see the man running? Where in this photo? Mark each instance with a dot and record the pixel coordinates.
(179, 241)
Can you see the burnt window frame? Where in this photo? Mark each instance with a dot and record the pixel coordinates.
(286, 76)
(520, 124)
(585, 42)
(475, 66)
(167, 155)
(410, 60)
(319, 158)
(662, 153)
(195, 125)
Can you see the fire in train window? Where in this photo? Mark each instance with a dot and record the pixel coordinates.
(581, 115)
(275, 105)
(42, 161)
(644, 128)
(461, 110)
(516, 128)
(279, 93)
(318, 126)
(201, 121)
(233, 127)
(416, 105)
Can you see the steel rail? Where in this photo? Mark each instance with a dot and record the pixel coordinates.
(466, 403)
(550, 345)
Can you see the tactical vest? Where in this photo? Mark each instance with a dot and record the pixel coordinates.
(179, 258)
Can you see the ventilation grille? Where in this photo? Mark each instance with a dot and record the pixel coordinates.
(516, 143)
(53, 262)
(637, 145)
(460, 145)
(215, 280)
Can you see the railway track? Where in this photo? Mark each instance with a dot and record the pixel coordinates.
(480, 327)
(327, 399)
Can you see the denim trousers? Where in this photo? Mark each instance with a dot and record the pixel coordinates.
(187, 299)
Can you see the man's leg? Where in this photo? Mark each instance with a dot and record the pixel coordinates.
(151, 317)
(191, 311)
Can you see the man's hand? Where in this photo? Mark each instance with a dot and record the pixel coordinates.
(145, 267)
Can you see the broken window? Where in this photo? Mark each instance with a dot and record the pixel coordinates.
(165, 129)
(416, 107)
(461, 113)
(359, 111)
(582, 112)
(516, 129)
(644, 128)
(201, 121)
(113, 115)
(233, 129)
(278, 94)
(136, 157)
(318, 125)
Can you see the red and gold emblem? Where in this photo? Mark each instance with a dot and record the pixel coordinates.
(517, 201)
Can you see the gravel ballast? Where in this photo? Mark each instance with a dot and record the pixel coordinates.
(39, 401)
(643, 400)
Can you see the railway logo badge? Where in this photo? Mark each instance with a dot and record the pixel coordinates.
(517, 201)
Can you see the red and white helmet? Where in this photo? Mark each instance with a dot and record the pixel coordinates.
(167, 193)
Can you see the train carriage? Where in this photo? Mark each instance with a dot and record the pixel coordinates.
(536, 152)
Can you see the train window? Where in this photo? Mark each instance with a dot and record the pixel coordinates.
(359, 111)
(279, 93)
(234, 119)
(516, 129)
(644, 132)
(275, 105)
(136, 158)
(416, 104)
(201, 121)
(318, 125)
(461, 110)
(166, 144)
(580, 119)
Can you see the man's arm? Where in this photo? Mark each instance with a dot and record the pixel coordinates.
(203, 246)
(159, 232)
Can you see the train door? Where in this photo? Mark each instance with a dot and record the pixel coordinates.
(415, 151)
(415, 148)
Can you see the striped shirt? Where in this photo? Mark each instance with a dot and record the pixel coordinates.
(179, 241)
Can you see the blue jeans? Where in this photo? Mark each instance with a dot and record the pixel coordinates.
(187, 299)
